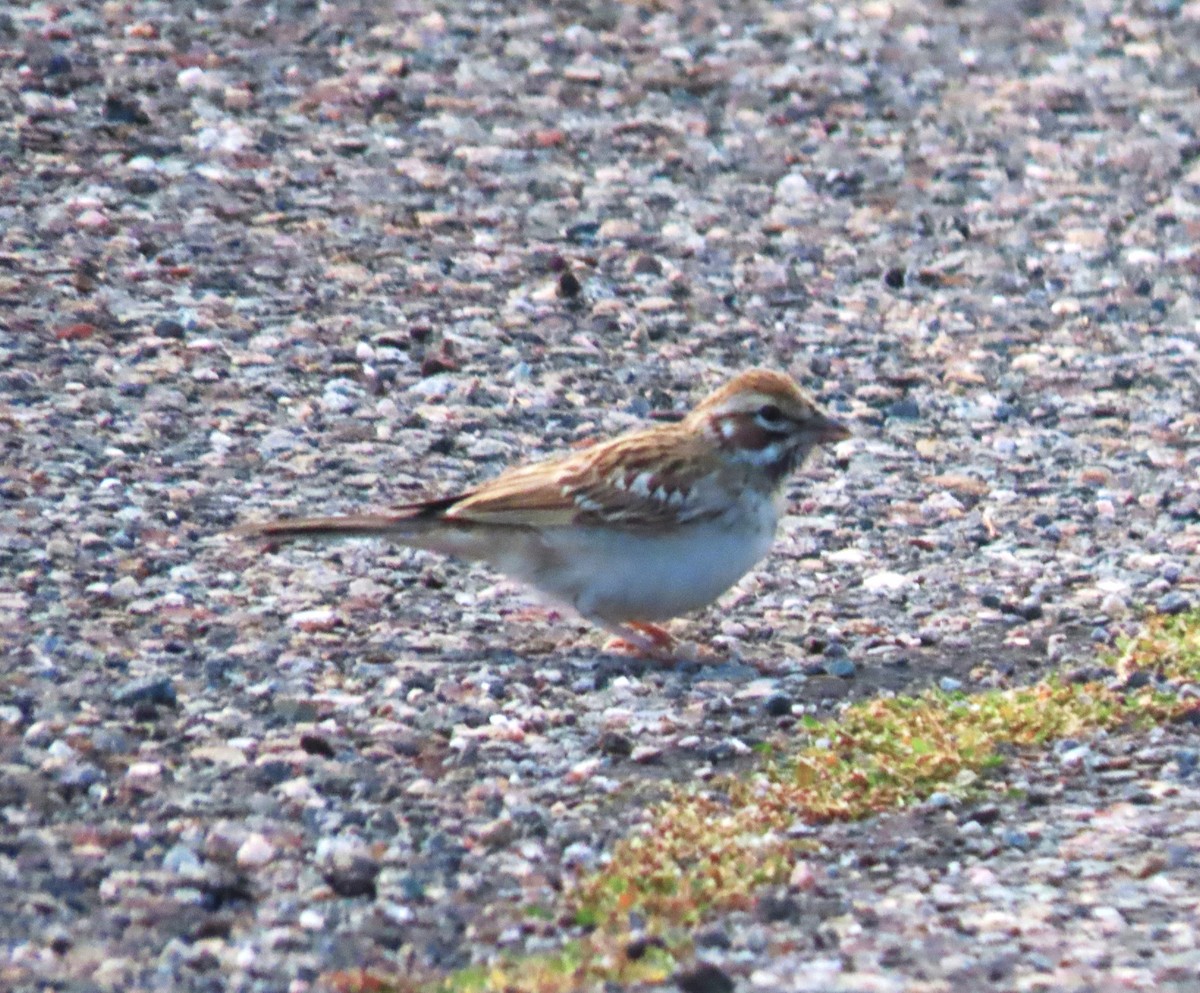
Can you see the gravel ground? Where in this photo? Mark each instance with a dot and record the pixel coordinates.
(258, 259)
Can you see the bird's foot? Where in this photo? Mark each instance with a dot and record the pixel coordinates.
(648, 641)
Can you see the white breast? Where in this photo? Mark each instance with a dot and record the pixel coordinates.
(639, 576)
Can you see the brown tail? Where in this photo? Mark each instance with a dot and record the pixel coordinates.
(398, 523)
(356, 525)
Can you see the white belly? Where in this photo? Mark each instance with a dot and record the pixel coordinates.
(630, 576)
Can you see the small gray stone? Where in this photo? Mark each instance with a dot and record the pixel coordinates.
(842, 668)
(1016, 838)
(182, 860)
(904, 410)
(1173, 603)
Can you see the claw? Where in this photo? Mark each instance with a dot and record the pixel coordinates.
(640, 638)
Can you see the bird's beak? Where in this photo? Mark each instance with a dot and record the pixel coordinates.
(826, 430)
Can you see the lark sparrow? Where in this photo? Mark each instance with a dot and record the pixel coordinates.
(643, 528)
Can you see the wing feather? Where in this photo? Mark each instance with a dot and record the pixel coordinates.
(646, 479)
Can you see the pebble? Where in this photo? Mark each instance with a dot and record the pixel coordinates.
(904, 410)
(840, 667)
(1173, 603)
(704, 977)
(145, 774)
(779, 704)
(1076, 756)
(151, 689)
(255, 852)
(1016, 838)
(260, 279)
(182, 860)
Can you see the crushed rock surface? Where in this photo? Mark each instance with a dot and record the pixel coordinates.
(301, 258)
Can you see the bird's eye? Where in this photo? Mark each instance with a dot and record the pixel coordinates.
(768, 413)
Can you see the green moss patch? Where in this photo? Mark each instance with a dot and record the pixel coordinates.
(707, 850)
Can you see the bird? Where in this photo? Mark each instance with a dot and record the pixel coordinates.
(639, 529)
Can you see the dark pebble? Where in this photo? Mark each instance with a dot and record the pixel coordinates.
(989, 813)
(778, 705)
(713, 937)
(217, 670)
(121, 110)
(904, 410)
(354, 878)
(615, 743)
(274, 772)
(1173, 603)
(315, 744)
(57, 65)
(1137, 680)
(638, 947)
(418, 681)
(141, 186)
(704, 978)
(1123, 379)
(583, 233)
(777, 905)
(154, 690)
(1186, 759)
(718, 753)
(111, 741)
(438, 362)
(569, 286)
